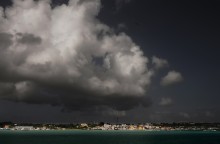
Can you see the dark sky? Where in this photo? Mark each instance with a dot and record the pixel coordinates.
(86, 61)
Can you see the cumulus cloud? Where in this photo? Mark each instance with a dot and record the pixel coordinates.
(171, 78)
(165, 101)
(65, 56)
(159, 62)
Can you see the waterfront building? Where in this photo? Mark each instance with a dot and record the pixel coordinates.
(23, 128)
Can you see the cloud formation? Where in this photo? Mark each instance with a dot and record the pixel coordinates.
(171, 78)
(66, 56)
(159, 62)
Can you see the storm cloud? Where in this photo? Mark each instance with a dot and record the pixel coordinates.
(65, 56)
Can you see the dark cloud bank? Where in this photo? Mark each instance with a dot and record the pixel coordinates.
(64, 56)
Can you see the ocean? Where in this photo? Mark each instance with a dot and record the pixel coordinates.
(109, 137)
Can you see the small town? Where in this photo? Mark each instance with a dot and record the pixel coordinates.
(107, 126)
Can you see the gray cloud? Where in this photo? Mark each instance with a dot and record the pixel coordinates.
(28, 39)
(159, 62)
(64, 56)
(6, 90)
(57, 57)
(171, 78)
(5, 40)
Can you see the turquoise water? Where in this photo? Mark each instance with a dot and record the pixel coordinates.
(109, 137)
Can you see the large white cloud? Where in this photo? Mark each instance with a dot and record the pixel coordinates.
(66, 56)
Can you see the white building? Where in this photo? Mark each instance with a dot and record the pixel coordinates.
(24, 128)
(84, 125)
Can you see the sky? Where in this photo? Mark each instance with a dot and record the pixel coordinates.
(127, 61)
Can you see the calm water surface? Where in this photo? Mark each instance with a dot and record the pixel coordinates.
(109, 137)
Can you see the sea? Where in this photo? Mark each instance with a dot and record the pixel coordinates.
(109, 137)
